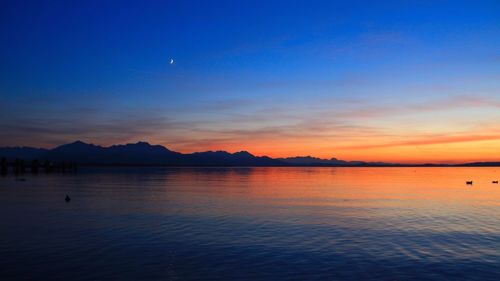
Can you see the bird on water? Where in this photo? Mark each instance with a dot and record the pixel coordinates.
(67, 199)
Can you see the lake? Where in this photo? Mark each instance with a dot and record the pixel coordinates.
(252, 224)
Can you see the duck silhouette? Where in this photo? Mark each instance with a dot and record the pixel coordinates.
(67, 199)
(495, 182)
(468, 182)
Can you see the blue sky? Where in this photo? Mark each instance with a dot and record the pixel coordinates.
(274, 77)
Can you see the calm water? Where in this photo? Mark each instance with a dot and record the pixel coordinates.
(252, 224)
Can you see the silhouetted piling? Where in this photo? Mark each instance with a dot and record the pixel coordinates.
(22, 167)
(47, 167)
(35, 165)
(3, 166)
(17, 166)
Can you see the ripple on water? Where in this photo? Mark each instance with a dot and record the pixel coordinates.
(251, 224)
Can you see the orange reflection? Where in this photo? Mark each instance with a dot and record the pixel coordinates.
(346, 186)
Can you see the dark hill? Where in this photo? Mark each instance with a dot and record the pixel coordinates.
(143, 153)
(22, 152)
(140, 153)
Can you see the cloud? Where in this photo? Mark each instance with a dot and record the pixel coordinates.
(428, 140)
(54, 127)
(238, 124)
(450, 103)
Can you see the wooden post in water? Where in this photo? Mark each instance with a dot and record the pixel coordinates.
(46, 167)
(35, 165)
(17, 166)
(3, 166)
(22, 167)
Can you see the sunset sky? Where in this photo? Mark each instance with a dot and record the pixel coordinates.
(399, 81)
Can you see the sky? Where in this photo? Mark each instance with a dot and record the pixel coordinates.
(396, 81)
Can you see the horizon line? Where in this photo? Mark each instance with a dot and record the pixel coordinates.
(395, 163)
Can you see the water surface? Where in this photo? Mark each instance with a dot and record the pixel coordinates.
(252, 224)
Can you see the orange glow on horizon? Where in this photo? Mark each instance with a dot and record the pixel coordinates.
(412, 152)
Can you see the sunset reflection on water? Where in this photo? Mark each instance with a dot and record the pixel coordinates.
(253, 223)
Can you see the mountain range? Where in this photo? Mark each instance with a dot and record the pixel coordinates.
(145, 154)
(141, 154)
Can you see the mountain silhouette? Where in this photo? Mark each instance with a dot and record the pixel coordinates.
(22, 152)
(309, 160)
(140, 153)
(144, 154)
(223, 158)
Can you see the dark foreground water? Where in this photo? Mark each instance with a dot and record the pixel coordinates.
(252, 224)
